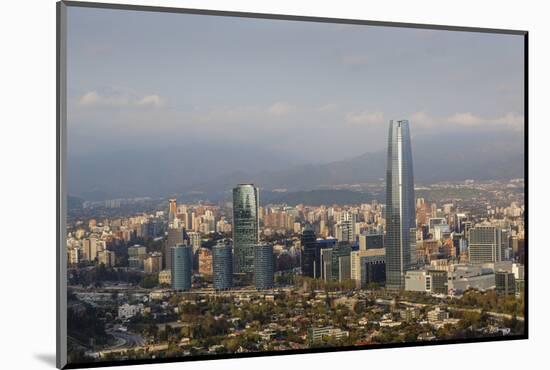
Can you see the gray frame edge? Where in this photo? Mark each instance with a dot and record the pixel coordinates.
(61, 194)
(288, 17)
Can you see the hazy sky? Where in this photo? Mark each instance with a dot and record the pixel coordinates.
(311, 91)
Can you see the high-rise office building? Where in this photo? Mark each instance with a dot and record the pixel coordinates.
(175, 237)
(106, 257)
(371, 241)
(345, 228)
(439, 281)
(400, 205)
(505, 283)
(340, 263)
(74, 256)
(245, 227)
(310, 253)
(182, 266)
(153, 263)
(222, 263)
(90, 248)
(326, 263)
(172, 210)
(87, 252)
(459, 243)
(194, 240)
(368, 266)
(485, 244)
(263, 266)
(204, 256)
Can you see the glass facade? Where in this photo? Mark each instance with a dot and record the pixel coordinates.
(340, 258)
(310, 253)
(371, 241)
(263, 266)
(222, 264)
(176, 236)
(182, 267)
(245, 226)
(326, 263)
(400, 205)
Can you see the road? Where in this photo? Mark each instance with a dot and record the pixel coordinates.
(490, 313)
(477, 310)
(126, 339)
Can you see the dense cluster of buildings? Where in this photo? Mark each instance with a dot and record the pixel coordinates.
(407, 243)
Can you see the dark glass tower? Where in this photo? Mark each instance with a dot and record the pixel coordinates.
(222, 264)
(182, 267)
(400, 205)
(245, 227)
(310, 253)
(340, 260)
(263, 266)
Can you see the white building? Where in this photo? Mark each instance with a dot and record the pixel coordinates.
(462, 277)
(519, 271)
(317, 334)
(74, 256)
(346, 227)
(418, 281)
(194, 240)
(437, 314)
(127, 311)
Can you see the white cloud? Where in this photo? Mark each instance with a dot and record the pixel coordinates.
(94, 98)
(468, 119)
(279, 109)
(117, 97)
(422, 119)
(465, 119)
(90, 98)
(151, 100)
(513, 120)
(365, 118)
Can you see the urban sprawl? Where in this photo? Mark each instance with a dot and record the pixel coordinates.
(157, 279)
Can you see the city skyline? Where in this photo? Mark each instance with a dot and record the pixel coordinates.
(355, 266)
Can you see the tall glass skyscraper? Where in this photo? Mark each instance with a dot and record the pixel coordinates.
(263, 266)
(400, 205)
(182, 266)
(222, 265)
(245, 227)
(310, 253)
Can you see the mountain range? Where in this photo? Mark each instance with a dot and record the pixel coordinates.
(207, 171)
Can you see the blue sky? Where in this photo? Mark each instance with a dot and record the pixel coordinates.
(313, 91)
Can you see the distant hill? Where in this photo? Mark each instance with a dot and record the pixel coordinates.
(211, 171)
(436, 158)
(158, 172)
